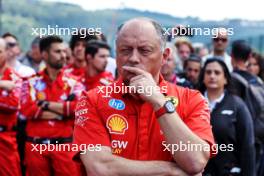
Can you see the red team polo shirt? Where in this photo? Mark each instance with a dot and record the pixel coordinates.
(73, 70)
(102, 79)
(130, 127)
(9, 101)
(9, 107)
(41, 87)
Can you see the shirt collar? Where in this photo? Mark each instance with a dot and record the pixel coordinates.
(47, 79)
(213, 103)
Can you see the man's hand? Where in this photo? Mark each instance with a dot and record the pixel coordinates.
(146, 87)
(7, 85)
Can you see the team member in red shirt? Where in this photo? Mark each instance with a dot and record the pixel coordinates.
(10, 85)
(77, 45)
(96, 53)
(48, 100)
(138, 131)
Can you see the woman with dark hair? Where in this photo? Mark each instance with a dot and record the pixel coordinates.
(231, 123)
(256, 65)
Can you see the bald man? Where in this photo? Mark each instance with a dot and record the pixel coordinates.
(9, 105)
(133, 131)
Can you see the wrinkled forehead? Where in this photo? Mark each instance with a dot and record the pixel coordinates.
(137, 32)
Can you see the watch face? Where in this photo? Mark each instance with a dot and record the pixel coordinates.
(169, 107)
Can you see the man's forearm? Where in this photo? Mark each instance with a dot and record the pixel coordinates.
(56, 107)
(110, 165)
(175, 131)
(127, 167)
(46, 115)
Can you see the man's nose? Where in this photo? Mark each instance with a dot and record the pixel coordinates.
(80, 47)
(63, 55)
(135, 57)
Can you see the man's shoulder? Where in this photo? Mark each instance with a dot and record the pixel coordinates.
(108, 75)
(185, 95)
(23, 70)
(244, 77)
(11, 74)
(173, 88)
(34, 76)
(106, 78)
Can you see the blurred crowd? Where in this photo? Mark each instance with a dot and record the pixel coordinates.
(52, 73)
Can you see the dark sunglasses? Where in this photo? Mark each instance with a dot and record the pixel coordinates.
(11, 45)
(220, 39)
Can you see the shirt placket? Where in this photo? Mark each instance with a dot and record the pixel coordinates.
(143, 132)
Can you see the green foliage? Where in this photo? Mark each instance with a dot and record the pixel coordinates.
(20, 16)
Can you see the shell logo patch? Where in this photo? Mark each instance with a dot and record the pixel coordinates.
(117, 124)
(41, 96)
(174, 100)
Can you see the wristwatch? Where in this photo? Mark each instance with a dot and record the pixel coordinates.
(168, 107)
(44, 105)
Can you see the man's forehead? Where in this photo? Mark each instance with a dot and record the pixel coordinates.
(222, 32)
(103, 50)
(137, 39)
(58, 45)
(138, 29)
(10, 39)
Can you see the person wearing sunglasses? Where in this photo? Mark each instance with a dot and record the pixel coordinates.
(220, 44)
(10, 87)
(13, 52)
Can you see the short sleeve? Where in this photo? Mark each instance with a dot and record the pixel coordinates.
(197, 118)
(89, 129)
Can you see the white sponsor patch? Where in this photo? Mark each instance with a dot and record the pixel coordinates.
(119, 144)
(81, 112)
(227, 112)
(80, 121)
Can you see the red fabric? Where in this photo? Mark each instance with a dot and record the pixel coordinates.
(9, 158)
(134, 132)
(101, 79)
(57, 162)
(9, 106)
(40, 87)
(9, 100)
(72, 69)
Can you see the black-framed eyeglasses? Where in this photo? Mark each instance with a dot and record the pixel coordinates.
(11, 44)
(220, 39)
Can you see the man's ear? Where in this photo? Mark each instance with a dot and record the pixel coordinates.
(165, 55)
(88, 58)
(44, 55)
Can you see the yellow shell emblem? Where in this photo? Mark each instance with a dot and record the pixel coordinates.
(174, 100)
(117, 124)
(41, 96)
